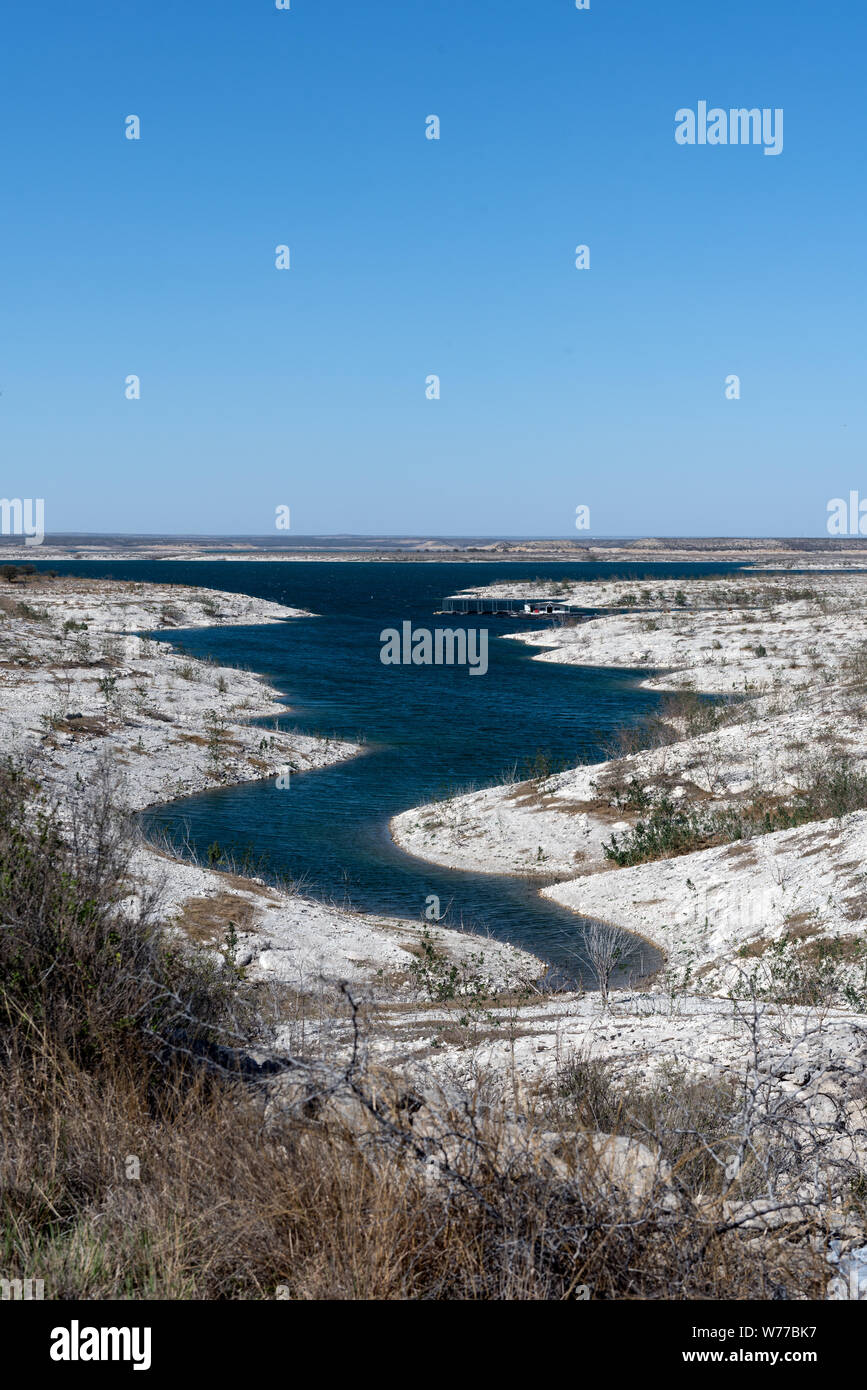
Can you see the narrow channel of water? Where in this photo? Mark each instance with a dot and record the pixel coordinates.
(427, 731)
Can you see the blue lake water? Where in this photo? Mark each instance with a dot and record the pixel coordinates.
(427, 730)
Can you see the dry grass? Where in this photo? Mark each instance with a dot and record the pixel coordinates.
(206, 920)
(225, 1206)
(145, 1154)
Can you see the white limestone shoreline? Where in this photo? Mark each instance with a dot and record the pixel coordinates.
(83, 694)
(150, 725)
(787, 649)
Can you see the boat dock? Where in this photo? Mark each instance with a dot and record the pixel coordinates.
(508, 607)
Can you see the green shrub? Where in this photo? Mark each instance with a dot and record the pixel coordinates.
(834, 788)
(77, 972)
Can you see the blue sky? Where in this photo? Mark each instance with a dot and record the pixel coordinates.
(412, 257)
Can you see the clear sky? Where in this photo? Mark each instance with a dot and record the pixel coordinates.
(412, 257)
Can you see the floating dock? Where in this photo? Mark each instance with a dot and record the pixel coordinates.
(508, 607)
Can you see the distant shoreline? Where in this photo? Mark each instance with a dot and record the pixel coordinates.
(786, 552)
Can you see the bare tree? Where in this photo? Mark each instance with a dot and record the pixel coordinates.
(605, 950)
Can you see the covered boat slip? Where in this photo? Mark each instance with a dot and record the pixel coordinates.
(508, 607)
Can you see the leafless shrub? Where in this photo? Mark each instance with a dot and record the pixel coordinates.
(607, 951)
